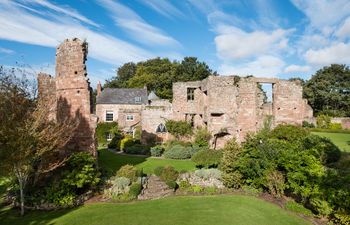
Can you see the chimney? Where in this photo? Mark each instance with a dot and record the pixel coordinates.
(99, 88)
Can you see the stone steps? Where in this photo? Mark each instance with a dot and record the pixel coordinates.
(154, 188)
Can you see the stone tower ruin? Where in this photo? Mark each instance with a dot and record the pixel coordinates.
(70, 89)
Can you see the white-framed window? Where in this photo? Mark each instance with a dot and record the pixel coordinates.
(137, 99)
(109, 116)
(109, 136)
(129, 117)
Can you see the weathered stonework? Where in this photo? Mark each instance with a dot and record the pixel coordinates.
(231, 106)
(70, 93)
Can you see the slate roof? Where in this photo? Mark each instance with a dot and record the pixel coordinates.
(122, 96)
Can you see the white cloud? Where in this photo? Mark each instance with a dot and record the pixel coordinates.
(297, 68)
(164, 7)
(264, 66)
(337, 53)
(323, 14)
(234, 43)
(65, 10)
(136, 27)
(6, 51)
(344, 30)
(32, 29)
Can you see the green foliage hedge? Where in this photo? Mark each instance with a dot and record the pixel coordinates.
(178, 152)
(157, 151)
(290, 160)
(178, 128)
(207, 158)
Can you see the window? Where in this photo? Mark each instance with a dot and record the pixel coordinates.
(190, 94)
(161, 128)
(129, 117)
(109, 116)
(108, 136)
(137, 99)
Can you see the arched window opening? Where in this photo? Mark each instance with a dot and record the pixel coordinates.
(161, 128)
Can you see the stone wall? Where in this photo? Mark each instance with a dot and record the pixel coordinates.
(120, 111)
(154, 114)
(344, 121)
(71, 92)
(231, 106)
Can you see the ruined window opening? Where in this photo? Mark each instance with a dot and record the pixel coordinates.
(109, 136)
(137, 99)
(190, 94)
(205, 92)
(267, 89)
(129, 117)
(75, 72)
(216, 114)
(161, 128)
(109, 116)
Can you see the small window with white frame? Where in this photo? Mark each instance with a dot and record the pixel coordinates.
(137, 99)
(109, 116)
(109, 136)
(129, 117)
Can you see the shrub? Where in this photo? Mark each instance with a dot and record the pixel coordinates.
(135, 189)
(298, 208)
(207, 174)
(275, 183)
(202, 137)
(157, 151)
(210, 190)
(197, 189)
(178, 128)
(207, 158)
(184, 184)
(169, 176)
(324, 148)
(341, 218)
(129, 171)
(320, 206)
(127, 141)
(81, 171)
(119, 185)
(137, 149)
(158, 170)
(306, 124)
(289, 133)
(231, 177)
(323, 121)
(103, 129)
(178, 152)
(335, 126)
(60, 196)
(115, 142)
(171, 143)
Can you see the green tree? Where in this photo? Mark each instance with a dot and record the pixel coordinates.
(328, 91)
(159, 74)
(124, 73)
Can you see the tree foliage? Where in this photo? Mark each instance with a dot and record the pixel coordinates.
(159, 74)
(178, 128)
(328, 91)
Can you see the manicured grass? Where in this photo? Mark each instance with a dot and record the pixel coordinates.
(342, 140)
(112, 162)
(204, 210)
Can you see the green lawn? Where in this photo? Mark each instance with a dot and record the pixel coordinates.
(203, 210)
(342, 140)
(112, 162)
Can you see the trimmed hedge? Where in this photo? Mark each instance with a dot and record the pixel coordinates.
(207, 158)
(178, 152)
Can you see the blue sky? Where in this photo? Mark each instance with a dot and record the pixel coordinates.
(269, 38)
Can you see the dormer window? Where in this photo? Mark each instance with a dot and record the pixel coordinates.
(137, 99)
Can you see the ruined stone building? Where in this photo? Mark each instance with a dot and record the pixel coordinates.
(69, 94)
(228, 106)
